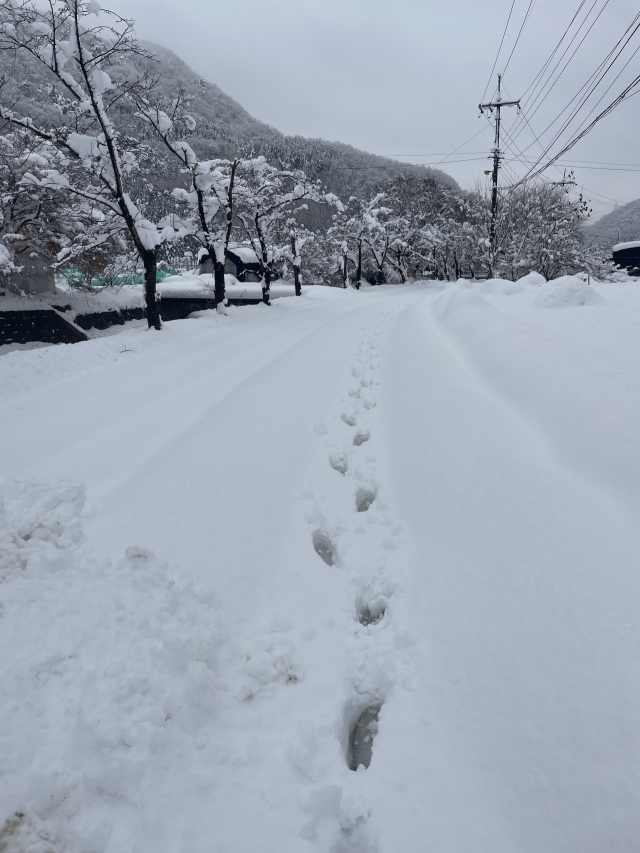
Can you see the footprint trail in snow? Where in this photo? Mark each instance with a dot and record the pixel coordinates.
(355, 534)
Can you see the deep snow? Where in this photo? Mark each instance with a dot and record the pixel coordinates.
(241, 556)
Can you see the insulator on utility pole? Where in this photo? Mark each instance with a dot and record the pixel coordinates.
(496, 105)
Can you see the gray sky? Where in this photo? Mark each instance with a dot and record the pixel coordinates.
(405, 77)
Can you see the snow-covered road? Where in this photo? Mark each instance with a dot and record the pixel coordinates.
(416, 507)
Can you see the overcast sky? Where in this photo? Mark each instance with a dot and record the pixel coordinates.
(404, 77)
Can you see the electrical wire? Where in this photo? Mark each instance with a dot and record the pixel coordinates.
(599, 75)
(542, 95)
(553, 52)
(526, 17)
(533, 172)
(495, 62)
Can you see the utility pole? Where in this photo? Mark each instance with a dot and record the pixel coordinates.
(566, 181)
(496, 105)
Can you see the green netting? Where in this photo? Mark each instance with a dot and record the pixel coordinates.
(75, 278)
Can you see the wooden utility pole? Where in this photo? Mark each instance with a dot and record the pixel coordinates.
(496, 105)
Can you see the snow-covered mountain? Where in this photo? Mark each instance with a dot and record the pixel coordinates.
(621, 224)
(220, 121)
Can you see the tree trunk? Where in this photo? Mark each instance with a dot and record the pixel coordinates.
(344, 271)
(149, 260)
(359, 269)
(266, 286)
(296, 266)
(218, 282)
(401, 267)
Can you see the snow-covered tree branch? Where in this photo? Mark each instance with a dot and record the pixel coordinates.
(78, 53)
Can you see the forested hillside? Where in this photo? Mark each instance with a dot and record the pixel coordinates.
(221, 123)
(621, 224)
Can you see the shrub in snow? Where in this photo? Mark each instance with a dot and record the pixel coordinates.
(569, 291)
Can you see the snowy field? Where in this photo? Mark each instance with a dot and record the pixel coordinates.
(224, 544)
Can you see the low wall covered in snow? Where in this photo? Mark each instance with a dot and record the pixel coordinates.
(45, 325)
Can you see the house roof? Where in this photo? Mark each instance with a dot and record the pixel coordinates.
(244, 254)
(619, 247)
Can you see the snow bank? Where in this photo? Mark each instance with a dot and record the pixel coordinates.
(532, 279)
(194, 286)
(118, 663)
(37, 522)
(569, 291)
(501, 287)
(75, 300)
(187, 285)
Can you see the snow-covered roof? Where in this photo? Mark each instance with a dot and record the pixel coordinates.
(634, 244)
(244, 253)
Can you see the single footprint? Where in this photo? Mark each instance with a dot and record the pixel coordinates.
(324, 547)
(372, 613)
(361, 737)
(349, 418)
(338, 462)
(361, 436)
(364, 498)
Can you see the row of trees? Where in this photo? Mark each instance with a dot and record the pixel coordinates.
(98, 181)
(88, 192)
(419, 228)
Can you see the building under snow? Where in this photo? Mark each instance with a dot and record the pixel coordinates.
(627, 256)
(241, 262)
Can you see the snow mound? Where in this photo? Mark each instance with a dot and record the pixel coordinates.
(566, 292)
(532, 279)
(464, 310)
(501, 287)
(38, 523)
(140, 655)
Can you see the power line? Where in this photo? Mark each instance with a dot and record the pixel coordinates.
(532, 172)
(529, 159)
(553, 52)
(523, 160)
(526, 17)
(584, 93)
(431, 155)
(599, 79)
(495, 62)
(541, 97)
(471, 138)
(598, 75)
